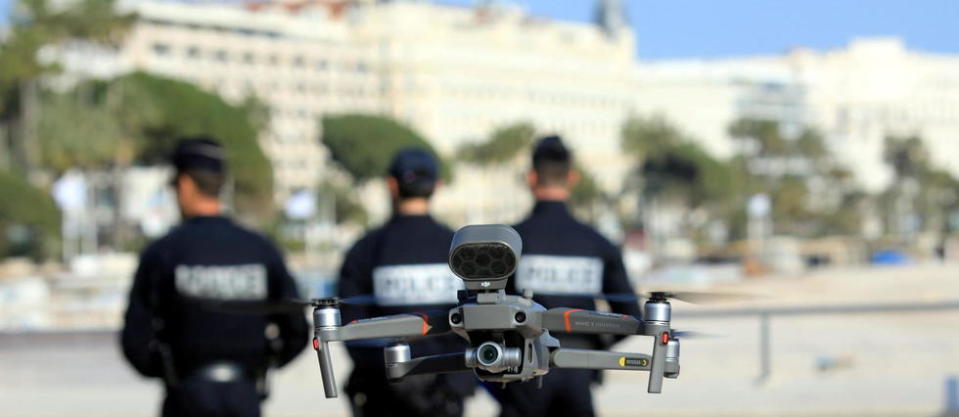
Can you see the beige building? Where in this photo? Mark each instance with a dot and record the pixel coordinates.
(856, 95)
(877, 87)
(454, 73)
(457, 73)
(302, 63)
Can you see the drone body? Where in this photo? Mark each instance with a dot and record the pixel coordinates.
(509, 336)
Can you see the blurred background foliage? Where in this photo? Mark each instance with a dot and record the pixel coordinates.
(110, 125)
(363, 145)
(503, 145)
(29, 219)
(137, 119)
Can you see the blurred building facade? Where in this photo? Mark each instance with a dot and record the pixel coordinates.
(856, 96)
(454, 73)
(457, 73)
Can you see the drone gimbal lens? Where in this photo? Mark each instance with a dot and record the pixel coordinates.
(488, 354)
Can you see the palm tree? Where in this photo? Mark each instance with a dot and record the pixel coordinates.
(500, 153)
(37, 24)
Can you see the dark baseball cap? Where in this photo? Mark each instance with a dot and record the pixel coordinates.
(199, 153)
(414, 166)
(551, 148)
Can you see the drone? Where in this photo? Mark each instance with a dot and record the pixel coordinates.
(510, 336)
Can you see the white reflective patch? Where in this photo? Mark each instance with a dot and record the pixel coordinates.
(222, 282)
(550, 274)
(398, 285)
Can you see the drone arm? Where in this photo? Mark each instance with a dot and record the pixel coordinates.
(657, 365)
(400, 326)
(571, 320)
(396, 326)
(599, 359)
(326, 367)
(443, 363)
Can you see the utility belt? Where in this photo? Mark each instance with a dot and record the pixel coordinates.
(226, 372)
(222, 372)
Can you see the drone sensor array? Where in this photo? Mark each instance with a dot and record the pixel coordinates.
(483, 260)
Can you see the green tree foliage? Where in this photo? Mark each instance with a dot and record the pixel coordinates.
(586, 191)
(364, 145)
(36, 24)
(930, 193)
(672, 166)
(784, 168)
(73, 134)
(648, 135)
(139, 117)
(907, 156)
(674, 170)
(155, 111)
(347, 207)
(29, 219)
(810, 144)
(685, 170)
(765, 135)
(502, 146)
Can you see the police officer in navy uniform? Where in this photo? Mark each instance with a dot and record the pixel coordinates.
(404, 265)
(211, 362)
(562, 260)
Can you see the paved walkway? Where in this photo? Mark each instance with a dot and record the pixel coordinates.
(883, 364)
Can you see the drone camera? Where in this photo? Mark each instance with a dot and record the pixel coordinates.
(484, 256)
(493, 357)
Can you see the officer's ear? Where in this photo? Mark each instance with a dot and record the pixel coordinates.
(185, 185)
(572, 178)
(393, 186)
(532, 180)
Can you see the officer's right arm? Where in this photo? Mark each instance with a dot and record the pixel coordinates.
(616, 281)
(355, 280)
(138, 338)
(294, 330)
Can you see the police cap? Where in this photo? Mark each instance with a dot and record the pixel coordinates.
(551, 149)
(198, 153)
(414, 166)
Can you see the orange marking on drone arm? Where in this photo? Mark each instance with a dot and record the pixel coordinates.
(569, 327)
(426, 323)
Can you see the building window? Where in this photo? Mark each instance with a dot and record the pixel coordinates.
(298, 61)
(221, 55)
(161, 49)
(248, 58)
(193, 52)
(321, 65)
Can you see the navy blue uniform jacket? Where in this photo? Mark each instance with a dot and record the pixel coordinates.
(209, 258)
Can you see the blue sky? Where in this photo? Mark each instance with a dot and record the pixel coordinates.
(717, 28)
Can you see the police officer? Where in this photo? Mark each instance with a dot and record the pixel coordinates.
(562, 260)
(211, 362)
(404, 265)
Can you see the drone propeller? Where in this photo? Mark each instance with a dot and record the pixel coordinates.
(692, 297)
(286, 306)
(692, 334)
(700, 297)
